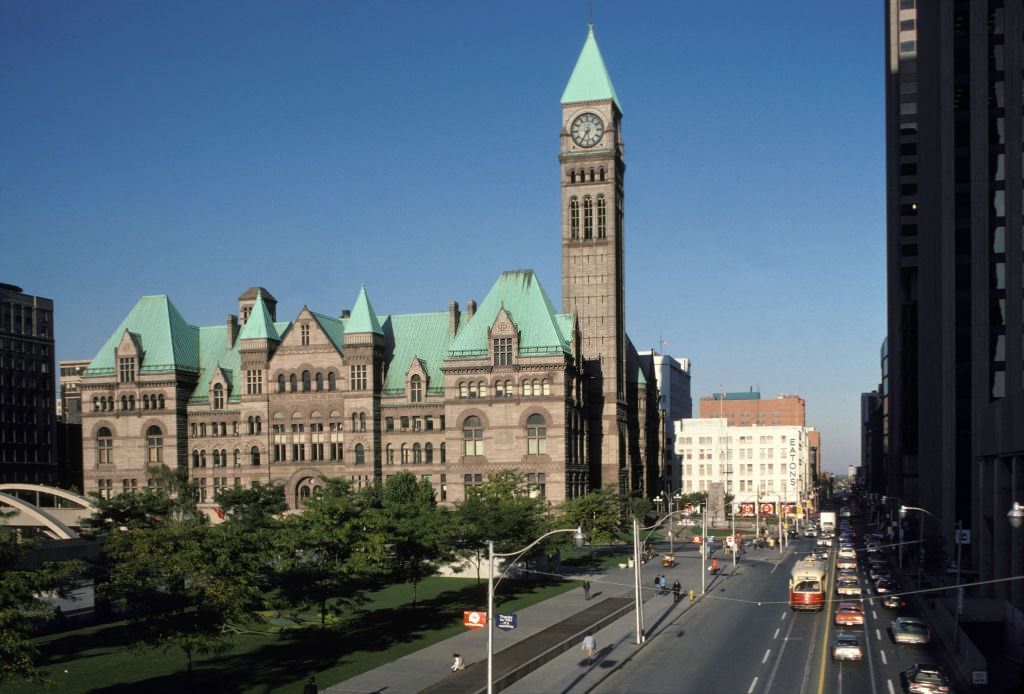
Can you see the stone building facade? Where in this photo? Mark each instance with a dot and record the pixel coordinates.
(450, 396)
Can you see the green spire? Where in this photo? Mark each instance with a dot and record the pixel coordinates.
(590, 80)
(259, 326)
(363, 319)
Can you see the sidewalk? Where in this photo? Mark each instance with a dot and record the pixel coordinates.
(549, 632)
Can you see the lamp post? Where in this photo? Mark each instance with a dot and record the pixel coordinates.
(735, 542)
(637, 597)
(579, 539)
(920, 542)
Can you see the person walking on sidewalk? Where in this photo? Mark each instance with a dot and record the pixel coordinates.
(589, 644)
(663, 584)
(586, 590)
(676, 589)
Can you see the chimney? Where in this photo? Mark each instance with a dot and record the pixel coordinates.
(453, 318)
(232, 329)
(346, 313)
(470, 309)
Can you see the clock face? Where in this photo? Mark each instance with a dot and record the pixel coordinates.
(587, 130)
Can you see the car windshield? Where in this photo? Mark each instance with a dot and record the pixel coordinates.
(846, 642)
(930, 676)
(807, 587)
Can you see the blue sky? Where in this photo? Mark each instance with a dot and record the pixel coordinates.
(195, 149)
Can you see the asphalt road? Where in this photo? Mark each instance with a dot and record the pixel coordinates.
(743, 638)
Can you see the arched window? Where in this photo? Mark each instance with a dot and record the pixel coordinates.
(332, 381)
(145, 402)
(499, 389)
(574, 217)
(304, 492)
(536, 435)
(472, 390)
(124, 403)
(483, 389)
(360, 454)
(527, 388)
(428, 453)
(588, 218)
(601, 217)
(293, 383)
(546, 385)
(362, 421)
(592, 179)
(104, 446)
(319, 381)
(443, 449)
(536, 387)
(463, 390)
(110, 403)
(355, 422)
(254, 455)
(154, 446)
(510, 391)
(280, 383)
(389, 454)
(238, 458)
(305, 381)
(600, 174)
(131, 402)
(417, 454)
(218, 396)
(405, 454)
(252, 426)
(259, 425)
(95, 404)
(416, 388)
(195, 459)
(473, 436)
(216, 458)
(572, 175)
(202, 458)
(160, 399)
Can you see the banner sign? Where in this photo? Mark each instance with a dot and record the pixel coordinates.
(474, 620)
(507, 622)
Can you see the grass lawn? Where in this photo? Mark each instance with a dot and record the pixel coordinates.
(386, 628)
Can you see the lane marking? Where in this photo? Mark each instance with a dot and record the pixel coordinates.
(884, 661)
(766, 654)
(871, 661)
(874, 614)
(783, 617)
(889, 682)
(777, 629)
(878, 635)
(829, 577)
(752, 685)
(778, 657)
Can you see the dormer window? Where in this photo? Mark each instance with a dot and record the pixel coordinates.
(503, 351)
(416, 389)
(126, 369)
(305, 333)
(218, 396)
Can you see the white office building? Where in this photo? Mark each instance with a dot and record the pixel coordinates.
(757, 464)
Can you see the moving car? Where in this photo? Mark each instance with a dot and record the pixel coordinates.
(846, 563)
(910, 630)
(848, 586)
(925, 678)
(846, 550)
(847, 647)
(894, 602)
(849, 613)
(884, 586)
(824, 541)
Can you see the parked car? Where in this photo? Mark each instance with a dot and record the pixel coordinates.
(849, 613)
(925, 678)
(910, 630)
(847, 647)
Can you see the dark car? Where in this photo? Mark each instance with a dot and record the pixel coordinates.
(884, 586)
(925, 678)
(910, 630)
(894, 602)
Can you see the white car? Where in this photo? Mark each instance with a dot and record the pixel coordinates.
(824, 541)
(847, 551)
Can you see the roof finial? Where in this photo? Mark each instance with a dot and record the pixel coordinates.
(591, 22)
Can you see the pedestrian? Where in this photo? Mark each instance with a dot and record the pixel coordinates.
(311, 687)
(657, 585)
(589, 644)
(458, 663)
(663, 584)
(676, 589)
(586, 590)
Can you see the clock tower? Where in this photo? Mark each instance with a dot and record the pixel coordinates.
(593, 282)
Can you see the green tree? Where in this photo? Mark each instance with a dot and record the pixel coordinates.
(173, 499)
(22, 604)
(504, 510)
(252, 520)
(326, 550)
(599, 513)
(178, 585)
(404, 516)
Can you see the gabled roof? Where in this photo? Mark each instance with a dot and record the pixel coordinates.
(520, 293)
(213, 353)
(167, 341)
(590, 80)
(363, 319)
(259, 325)
(333, 328)
(422, 336)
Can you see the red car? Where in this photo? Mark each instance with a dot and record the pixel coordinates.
(849, 613)
(894, 602)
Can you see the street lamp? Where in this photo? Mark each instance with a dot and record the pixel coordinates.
(637, 598)
(578, 537)
(1016, 515)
